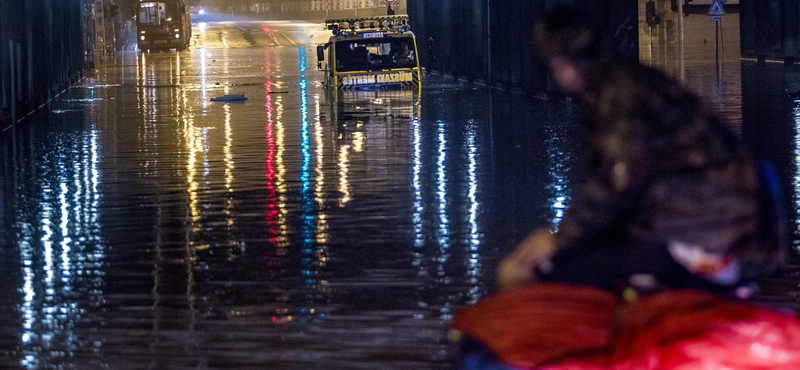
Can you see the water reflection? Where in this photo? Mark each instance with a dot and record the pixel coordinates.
(344, 170)
(272, 197)
(203, 79)
(301, 228)
(796, 177)
(473, 258)
(280, 176)
(310, 247)
(60, 247)
(416, 183)
(560, 162)
(443, 231)
(319, 190)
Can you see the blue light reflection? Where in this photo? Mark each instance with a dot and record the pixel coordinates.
(62, 266)
(473, 254)
(796, 178)
(309, 255)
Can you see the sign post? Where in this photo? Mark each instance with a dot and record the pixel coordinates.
(389, 10)
(716, 12)
(681, 49)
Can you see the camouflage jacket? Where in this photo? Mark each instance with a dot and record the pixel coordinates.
(663, 169)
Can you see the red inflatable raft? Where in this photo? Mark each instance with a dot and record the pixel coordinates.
(566, 327)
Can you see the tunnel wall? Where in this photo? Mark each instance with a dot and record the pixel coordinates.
(770, 29)
(41, 52)
(491, 41)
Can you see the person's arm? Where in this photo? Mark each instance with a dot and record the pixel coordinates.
(617, 179)
(518, 268)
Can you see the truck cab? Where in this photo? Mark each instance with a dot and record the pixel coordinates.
(370, 53)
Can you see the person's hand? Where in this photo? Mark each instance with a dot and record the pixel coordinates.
(517, 269)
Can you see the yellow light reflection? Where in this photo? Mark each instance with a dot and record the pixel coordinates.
(196, 141)
(143, 65)
(195, 150)
(178, 69)
(193, 139)
(227, 150)
(280, 174)
(344, 168)
(203, 87)
(140, 72)
(358, 141)
(319, 188)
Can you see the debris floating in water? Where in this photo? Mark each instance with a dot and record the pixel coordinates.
(230, 97)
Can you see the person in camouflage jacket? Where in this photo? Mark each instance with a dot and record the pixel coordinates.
(672, 199)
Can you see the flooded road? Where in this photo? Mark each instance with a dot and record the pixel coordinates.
(149, 227)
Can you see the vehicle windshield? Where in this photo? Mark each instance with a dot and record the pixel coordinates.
(375, 53)
(159, 13)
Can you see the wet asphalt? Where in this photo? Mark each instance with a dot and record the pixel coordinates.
(147, 226)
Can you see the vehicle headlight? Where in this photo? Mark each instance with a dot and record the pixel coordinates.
(142, 37)
(177, 35)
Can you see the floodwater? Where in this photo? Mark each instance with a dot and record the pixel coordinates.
(149, 227)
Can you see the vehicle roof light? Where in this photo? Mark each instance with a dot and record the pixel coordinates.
(390, 22)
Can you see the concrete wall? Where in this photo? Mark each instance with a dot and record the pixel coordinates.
(490, 41)
(770, 29)
(704, 39)
(41, 52)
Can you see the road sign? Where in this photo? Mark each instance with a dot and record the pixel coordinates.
(716, 9)
(390, 1)
(716, 18)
